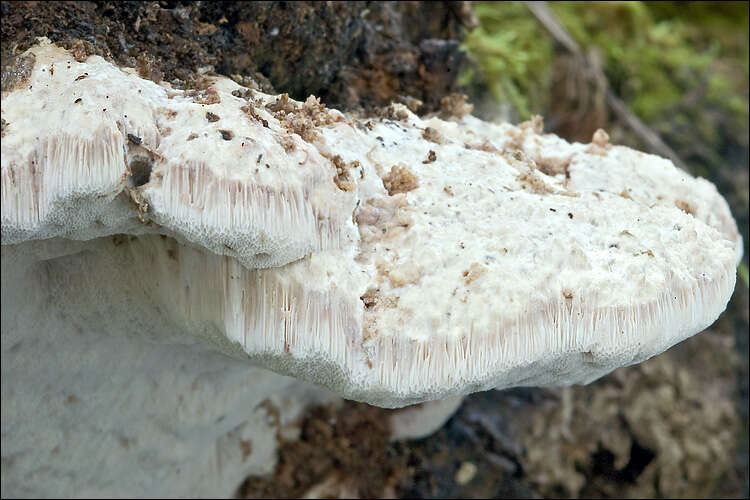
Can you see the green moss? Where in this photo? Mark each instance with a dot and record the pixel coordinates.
(512, 54)
(744, 275)
(653, 59)
(662, 58)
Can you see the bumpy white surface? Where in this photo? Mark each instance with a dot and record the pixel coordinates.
(462, 256)
(487, 255)
(221, 181)
(491, 283)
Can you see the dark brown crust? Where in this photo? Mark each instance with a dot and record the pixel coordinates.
(352, 54)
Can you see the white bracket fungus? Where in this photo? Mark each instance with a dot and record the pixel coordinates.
(492, 256)
(208, 168)
(392, 261)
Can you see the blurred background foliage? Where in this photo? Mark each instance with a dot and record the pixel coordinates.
(681, 67)
(657, 56)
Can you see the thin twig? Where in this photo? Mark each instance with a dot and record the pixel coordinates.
(595, 74)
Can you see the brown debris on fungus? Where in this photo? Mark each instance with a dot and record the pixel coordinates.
(343, 178)
(684, 206)
(400, 180)
(432, 135)
(455, 105)
(431, 157)
(535, 124)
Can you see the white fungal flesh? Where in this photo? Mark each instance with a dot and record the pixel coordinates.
(462, 255)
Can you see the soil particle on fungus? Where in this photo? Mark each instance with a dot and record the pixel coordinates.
(553, 166)
(287, 142)
(684, 206)
(488, 147)
(282, 104)
(249, 110)
(392, 112)
(431, 157)
(301, 119)
(474, 272)
(601, 138)
(343, 177)
(599, 143)
(455, 105)
(432, 135)
(412, 103)
(535, 124)
(370, 298)
(400, 180)
(207, 96)
(247, 93)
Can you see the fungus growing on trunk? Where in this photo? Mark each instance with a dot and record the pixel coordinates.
(511, 258)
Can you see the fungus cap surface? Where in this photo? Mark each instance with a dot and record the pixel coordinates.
(207, 167)
(467, 255)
